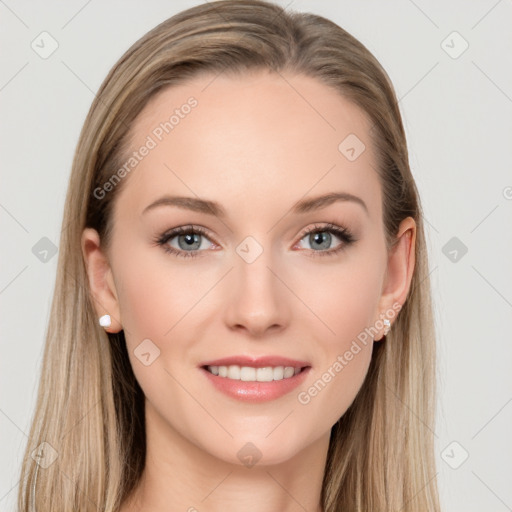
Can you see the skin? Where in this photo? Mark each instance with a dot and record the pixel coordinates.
(255, 145)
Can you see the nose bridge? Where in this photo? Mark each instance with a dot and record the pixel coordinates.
(256, 300)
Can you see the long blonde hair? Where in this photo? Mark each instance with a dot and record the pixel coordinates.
(90, 408)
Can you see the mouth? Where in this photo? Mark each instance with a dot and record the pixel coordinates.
(252, 384)
(253, 373)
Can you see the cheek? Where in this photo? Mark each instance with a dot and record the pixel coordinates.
(344, 356)
(157, 301)
(336, 385)
(156, 294)
(341, 298)
(344, 300)
(162, 300)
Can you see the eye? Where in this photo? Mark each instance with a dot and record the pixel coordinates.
(188, 239)
(320, 237)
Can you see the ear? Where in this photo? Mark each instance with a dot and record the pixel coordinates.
(101, 281)
(401, 261)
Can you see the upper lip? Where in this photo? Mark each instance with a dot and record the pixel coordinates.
(256, 362)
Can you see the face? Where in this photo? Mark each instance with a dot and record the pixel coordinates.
(255, 274)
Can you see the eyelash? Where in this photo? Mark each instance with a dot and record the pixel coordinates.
(344, 234)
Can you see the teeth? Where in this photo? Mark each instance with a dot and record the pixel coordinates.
(251, 374)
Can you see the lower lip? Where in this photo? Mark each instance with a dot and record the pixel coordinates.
(256, 391)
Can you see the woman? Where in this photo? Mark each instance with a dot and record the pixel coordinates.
(242, 314)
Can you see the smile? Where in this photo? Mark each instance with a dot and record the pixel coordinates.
(252, 374)
(276, 381)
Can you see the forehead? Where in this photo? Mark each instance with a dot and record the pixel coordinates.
(261, 136)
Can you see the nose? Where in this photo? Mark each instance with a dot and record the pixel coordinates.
(257, 300)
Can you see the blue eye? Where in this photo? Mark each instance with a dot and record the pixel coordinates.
(316, 235)
(189, 237)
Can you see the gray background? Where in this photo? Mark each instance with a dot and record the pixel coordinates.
(457, 111)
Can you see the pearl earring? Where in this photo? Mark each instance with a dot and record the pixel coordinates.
(105, 321)
(387, 323)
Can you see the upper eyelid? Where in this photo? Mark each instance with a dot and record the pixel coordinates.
(319, 226)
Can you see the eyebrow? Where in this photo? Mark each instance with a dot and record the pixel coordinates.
(214, 208)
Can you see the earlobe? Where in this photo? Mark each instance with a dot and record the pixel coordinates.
(101, 282)
(400, 268)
